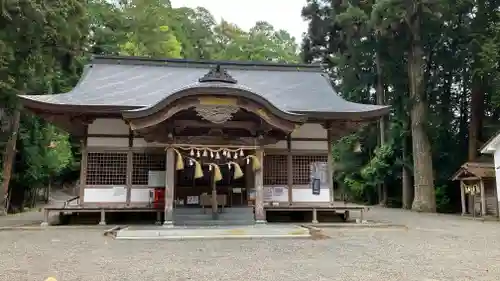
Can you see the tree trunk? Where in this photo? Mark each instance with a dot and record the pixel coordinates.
(464, 112)
(382, 190)
(476, 117)
(425, 199)
(8, 160)
(407, 190)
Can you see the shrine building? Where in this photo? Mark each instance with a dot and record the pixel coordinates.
(203, 139)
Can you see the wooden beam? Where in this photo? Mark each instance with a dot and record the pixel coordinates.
(216, 141)
(213, 183)
(182, 124)
(260, 213)
(483, 198)
(169, 188)
(330, 165)
(469, 178)
(130, 168)
(83, 166)
(289, 169)
(462, 197)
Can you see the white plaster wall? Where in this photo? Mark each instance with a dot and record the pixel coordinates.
(497, 169)
(109, 142)
(300, 194)
(116, 194)
(310, 130)
(278, 145)
(301, 145)
(107, 126)
(310, 145)
(140, 142)
(140, 195)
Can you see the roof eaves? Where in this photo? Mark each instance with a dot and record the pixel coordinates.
(37, 103)
(489, 146)
(367, 115)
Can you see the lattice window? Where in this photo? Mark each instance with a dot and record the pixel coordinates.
(106, 168)
(302, 167)
(142, 163)
(275, 170)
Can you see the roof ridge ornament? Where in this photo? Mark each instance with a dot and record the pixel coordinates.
(218, 74)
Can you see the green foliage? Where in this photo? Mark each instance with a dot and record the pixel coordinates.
(443, 201)
(358, 174)
(347, 36)
(46, 152)
(147, 31)
(380, 166)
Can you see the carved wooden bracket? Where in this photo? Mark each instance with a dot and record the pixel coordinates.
(217, 114)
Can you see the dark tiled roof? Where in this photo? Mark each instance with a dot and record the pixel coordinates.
(139, 82)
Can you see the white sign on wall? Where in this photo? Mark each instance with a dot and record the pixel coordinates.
(278, 191)
(192, 200)
(268, 193)
(119, 190)
(319, 170)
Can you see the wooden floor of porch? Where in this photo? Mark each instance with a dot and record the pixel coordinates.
(314, 212)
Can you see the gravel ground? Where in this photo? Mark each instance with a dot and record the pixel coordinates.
(432, 248)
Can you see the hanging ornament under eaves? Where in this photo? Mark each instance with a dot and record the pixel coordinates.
(217, 156)
(236, 155)
(205, 153)
(192, 152)
(211, 154)
(241, 153)
(197, 154)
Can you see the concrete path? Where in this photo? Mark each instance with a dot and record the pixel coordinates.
(35, 215)
(434, 247)
(219, 232)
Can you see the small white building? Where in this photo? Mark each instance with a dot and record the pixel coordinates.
(492, 146)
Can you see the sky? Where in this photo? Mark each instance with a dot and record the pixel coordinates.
(245, 13)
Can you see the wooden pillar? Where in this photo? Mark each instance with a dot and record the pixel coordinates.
(260, 214)
(215, 214)
(130, 167)
(83, 166)
(169, 187)
(289, 169)
(249, 181)
(483, 198)
(315, 216)
(103, 217)
(330, 163)
(495, 195)
(45, 221)
(462, 197)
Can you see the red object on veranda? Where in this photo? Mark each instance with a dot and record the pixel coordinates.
(159, 198)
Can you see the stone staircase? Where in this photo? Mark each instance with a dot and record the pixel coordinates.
(230, 216)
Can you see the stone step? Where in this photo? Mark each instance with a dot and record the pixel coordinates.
(212, 222)
(230, 216)
(227, 218)
(245, 210)
(209, 215)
